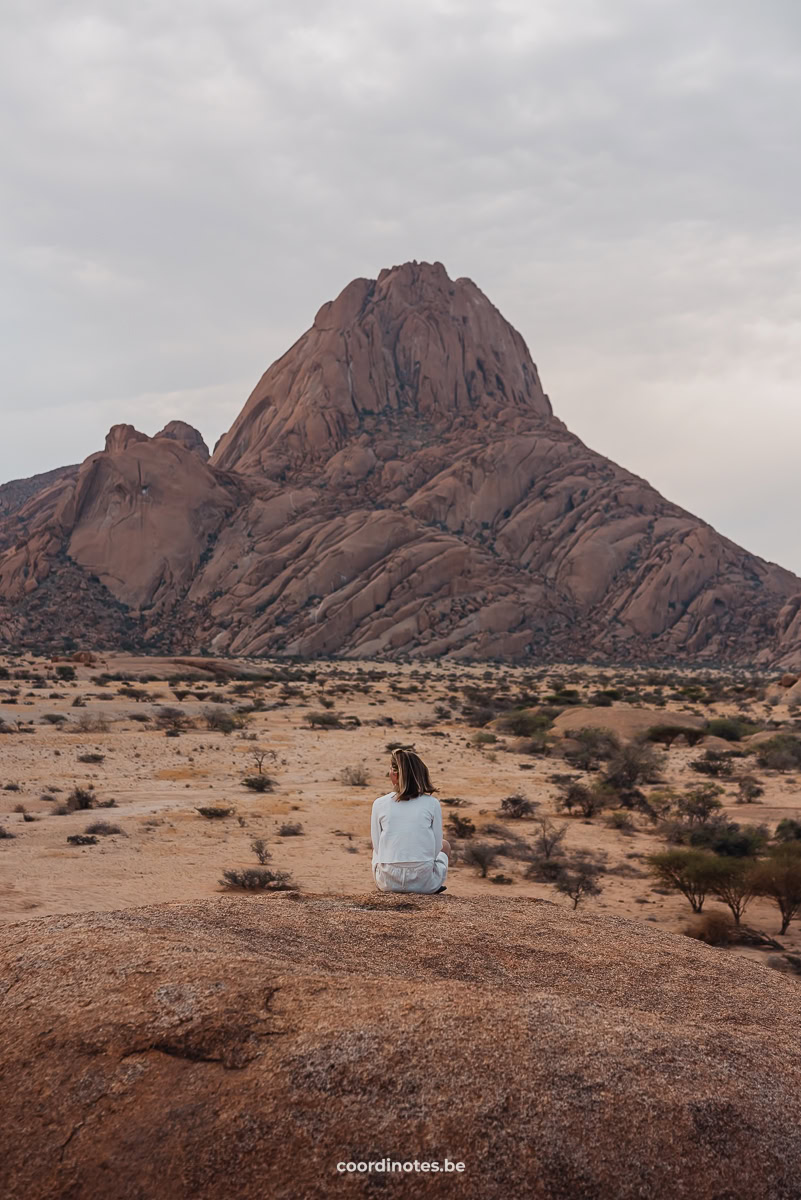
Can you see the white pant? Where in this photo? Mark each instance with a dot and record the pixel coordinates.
(426, 877)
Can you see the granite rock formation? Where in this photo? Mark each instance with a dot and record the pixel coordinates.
(243, 1047)
(397, 484)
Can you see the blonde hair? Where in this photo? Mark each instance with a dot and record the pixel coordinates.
(413, 777)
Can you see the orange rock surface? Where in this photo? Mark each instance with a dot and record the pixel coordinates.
(244, 1047)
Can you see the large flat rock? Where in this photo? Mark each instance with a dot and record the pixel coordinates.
(242, 1047)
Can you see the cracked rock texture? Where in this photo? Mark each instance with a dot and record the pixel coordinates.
(244, 1046)
(397, 484)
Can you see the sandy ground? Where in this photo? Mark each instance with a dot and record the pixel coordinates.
(169, 852)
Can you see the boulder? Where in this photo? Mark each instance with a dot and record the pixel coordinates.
(247, 1046)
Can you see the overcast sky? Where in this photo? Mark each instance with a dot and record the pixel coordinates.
(184, 184)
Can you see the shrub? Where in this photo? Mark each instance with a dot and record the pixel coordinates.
(579, 878)
(259, 848)
(323, 720)
(545, 870)
(222, 720)
(589, 800)
(699, 805)
(749, 789)
(480, 854)
(461, 827)
(788, 830)
(666, 734)
(291, 829)
(780, 753)
(6, 833)
(258, 783)
(80, 798)
(731, 729)
(104, 829)
(82, 839)
(729, 839)
(620, 820)
(256, 879)
(499, 878)
(214, 811)
(53, 718)
(89, 724)
(548, 841)
(172, 720)
(594, 747)
(714, 762)
(633, 764)
(517, 806)
(354, 776)
(483, 738)
(91, 758)
(524, 722)
(716, 928)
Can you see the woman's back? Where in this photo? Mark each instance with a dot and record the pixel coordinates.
(406, 831)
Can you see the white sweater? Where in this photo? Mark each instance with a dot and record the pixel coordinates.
(406, 831)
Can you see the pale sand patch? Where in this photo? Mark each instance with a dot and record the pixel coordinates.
(171, 853)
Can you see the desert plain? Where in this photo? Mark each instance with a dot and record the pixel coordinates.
(152, 741)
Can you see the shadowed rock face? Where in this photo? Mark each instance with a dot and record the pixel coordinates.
(243, 1047)
(396, 484)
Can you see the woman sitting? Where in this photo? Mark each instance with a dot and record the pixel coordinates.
(409, 854)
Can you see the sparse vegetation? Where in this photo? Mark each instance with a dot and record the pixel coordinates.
(261, 850)
(355, 776)
(517, 806)
(323, 720)
(260, 879)
(716, 928)
(172, 720)
(258, 783)
(588, 799)
(691, 872)
(80, 798)
(460, 827)
(104, 829)
(549, 839)
(781, 753)
(290, 829)
(594, 746)
(579, 878)
(480, 854)
(778, 877)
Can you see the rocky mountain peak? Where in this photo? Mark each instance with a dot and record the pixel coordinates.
(396, 485)
(412, 353)
(120, 437)
(185, 435)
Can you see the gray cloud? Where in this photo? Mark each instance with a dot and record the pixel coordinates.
(184, 185)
